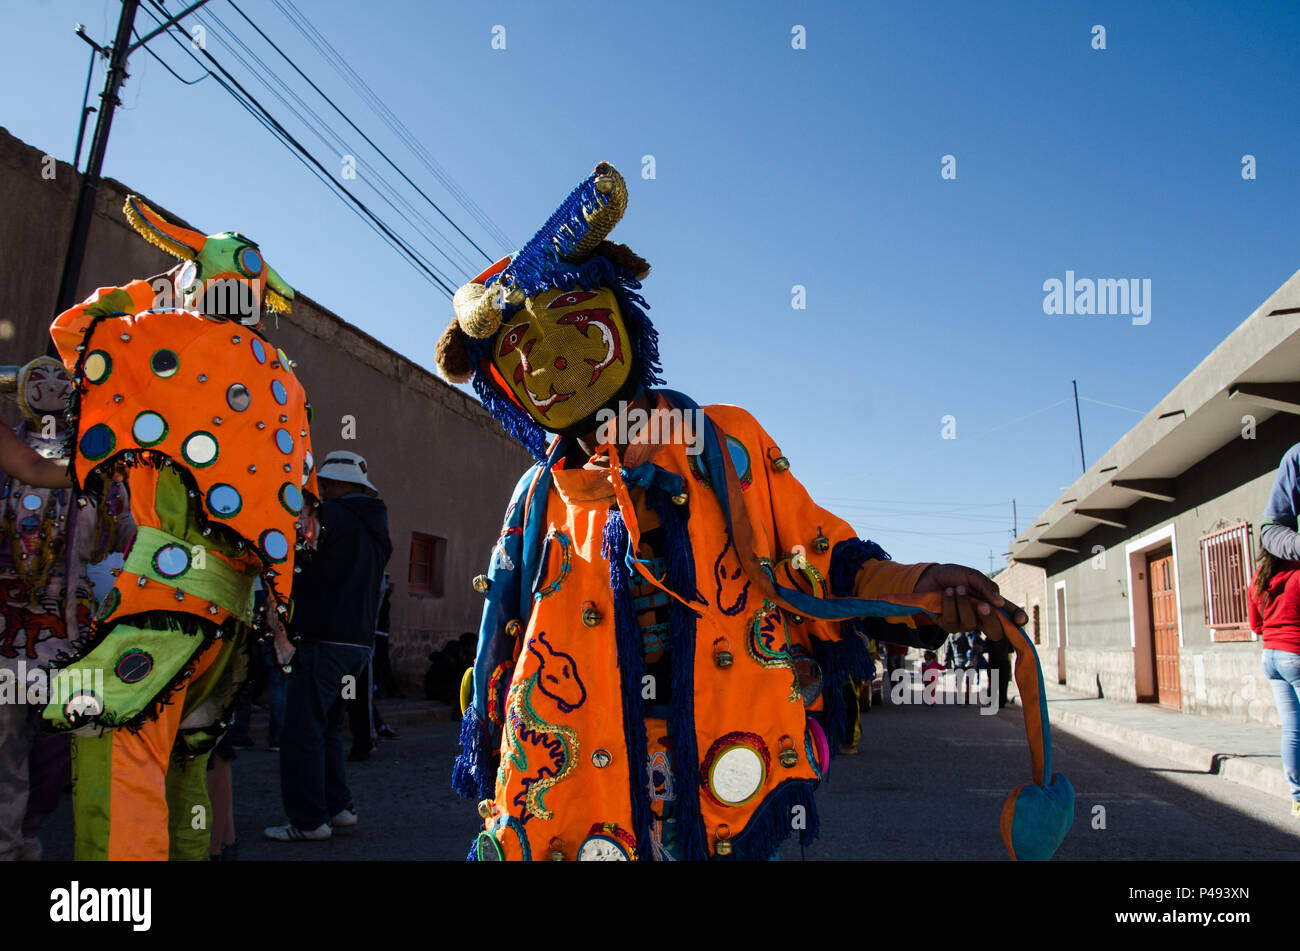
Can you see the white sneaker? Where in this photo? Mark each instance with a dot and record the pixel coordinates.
(344, 818)
(291, 833)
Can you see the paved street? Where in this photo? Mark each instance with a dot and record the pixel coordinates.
(929, 784)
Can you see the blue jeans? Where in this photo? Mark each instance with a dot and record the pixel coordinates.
(311, 744)
(1282, 668)
(277, 686)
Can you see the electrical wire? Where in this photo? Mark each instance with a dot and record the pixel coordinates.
(260, 112)
(340, 65)
(235, 44)
(357, 129)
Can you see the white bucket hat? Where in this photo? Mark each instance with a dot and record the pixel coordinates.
(343, 466)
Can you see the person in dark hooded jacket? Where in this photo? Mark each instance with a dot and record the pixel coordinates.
(334, 609)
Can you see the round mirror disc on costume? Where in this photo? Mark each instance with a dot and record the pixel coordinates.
(188, 276)
(109, 604)
(601, 848)
(274, 544)
(291, 498)
(238, 398)
(279, 392)
(164, 363)
(737, 774)
(199, 449)
(31, 501)
(283, 441)
(224, 500)
(133, 666)
(250, 262)
(149, 429)
(97, 441)
(171, 561)
(489, 849)
(82, 706)
(259, 351)
(97, 367)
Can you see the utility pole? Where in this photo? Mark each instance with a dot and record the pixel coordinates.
(108, 103)
(1078, 420)
(1015, 524)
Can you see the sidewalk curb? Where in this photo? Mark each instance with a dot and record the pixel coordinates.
(1229, 766)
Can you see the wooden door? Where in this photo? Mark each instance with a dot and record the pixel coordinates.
(1164, 627)
(1061, 635)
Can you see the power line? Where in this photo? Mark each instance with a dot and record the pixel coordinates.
(337, 143)
(284, 135)
(355, 128)
(341, 66)
(149, 49)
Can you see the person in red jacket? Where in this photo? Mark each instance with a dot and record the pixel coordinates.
(1275, 617)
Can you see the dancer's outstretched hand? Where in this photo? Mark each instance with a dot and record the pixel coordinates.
(969, 600)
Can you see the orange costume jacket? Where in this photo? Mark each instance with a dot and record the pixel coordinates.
(210, 398)
(563, 735)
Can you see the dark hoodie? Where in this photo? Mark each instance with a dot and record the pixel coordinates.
(336, 597)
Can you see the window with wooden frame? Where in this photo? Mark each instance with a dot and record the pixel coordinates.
(427, 557)
(1225, 578)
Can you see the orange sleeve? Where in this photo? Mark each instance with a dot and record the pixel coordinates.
(69, 328)
(799, 523)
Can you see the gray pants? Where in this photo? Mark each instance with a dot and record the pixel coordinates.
(17, 734)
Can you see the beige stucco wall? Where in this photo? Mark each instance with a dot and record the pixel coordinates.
(444, 466)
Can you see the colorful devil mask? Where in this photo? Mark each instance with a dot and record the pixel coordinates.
(224, 274)
(555, 332)
(564, 355)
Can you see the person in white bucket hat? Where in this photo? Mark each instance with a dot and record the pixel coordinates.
(333, 611)
(344, 466)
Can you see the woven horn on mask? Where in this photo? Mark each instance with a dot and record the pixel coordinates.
(175, 240)
(478, 310)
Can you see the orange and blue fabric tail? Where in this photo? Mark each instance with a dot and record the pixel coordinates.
(1037, 815)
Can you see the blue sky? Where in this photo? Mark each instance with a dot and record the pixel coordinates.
(777, 167)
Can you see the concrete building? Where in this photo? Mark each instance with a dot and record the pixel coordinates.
(1147, 556)
(444, 466)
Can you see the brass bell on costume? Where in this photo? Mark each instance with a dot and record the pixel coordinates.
(481, 583)
(590, 616)
(723, 846)
(485, 808)
(680, 499)
(781, 464)
(557, 850)
(821, 544)
(789, 755)
(721, 656)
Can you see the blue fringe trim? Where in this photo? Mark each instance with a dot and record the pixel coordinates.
(593, 273)
(847, 557)
(473, 851)
(680, 563)
(473, 776)
(771, 823)
(558, 237)
(847, 657)
(518, 425)
(631, 663)
(840, 660)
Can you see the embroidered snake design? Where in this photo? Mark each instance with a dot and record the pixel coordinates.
(560, 742)
(762, 627)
